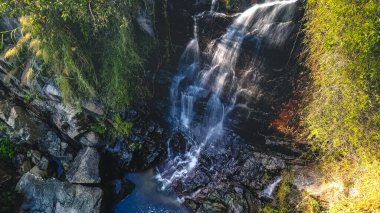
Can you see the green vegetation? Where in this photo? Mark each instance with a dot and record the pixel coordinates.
(7, 150)
(232, 5)
(117, 127)
(342, 117)
(89, 47)
(120, 127)
(281, 196)
(99, 127)
(31, 96)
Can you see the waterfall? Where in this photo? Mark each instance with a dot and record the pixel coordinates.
(268, 191)
(203, 93)
(214, 5)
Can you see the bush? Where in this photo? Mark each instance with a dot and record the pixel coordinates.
(120, 127)
(6, 148)
(89, 47)
(342, 117)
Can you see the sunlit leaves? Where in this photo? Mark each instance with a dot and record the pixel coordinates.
(342, 117)
(82, 41)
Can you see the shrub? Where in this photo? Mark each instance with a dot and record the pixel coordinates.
(120, 127)
(342, 117)
(89, 47)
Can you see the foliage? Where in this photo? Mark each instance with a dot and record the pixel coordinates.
(342, 117)
(283, 192)
(88, 46)
(120, 59)
(269, 209)
(343, 40)
(120, 127)
(31, 96)
(7, 150)
(309, 204)
(232, 5)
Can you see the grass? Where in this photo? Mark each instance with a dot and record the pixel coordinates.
(91, 54)
(341, 117)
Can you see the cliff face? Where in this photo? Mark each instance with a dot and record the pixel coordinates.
(69, 157)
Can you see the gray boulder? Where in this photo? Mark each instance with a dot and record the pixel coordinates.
(52, 92)
(55, 196)
(91, 139)
(85, 168)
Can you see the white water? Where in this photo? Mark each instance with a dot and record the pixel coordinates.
(268, 191)
(203, 94)
(214, 5)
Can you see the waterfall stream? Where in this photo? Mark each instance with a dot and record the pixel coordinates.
(203, 93)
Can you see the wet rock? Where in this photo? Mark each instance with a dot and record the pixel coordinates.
(178, 143)
(25, 127)
(91, 139)
(55, 146)
(143, 147)
(43, 164)
(54, 196)
(126, 158)
(25, 167)
(38, 172)
(94, 108)
(229, 178)
(66, 119)
(270, 162)
(52, 92)
(212, 25)
(85, 168)
(34, 155)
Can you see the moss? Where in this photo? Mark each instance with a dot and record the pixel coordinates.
(120, 127)
(99, 127)
(309, 204)
(342, 116)
(269, 209)
(120, 59)
(32, 95)
(283, 193)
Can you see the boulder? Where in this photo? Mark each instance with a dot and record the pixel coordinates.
(85, 168)
(55, 196)
(52, 144)
(95, 108)
(52, 92)
(91, 139)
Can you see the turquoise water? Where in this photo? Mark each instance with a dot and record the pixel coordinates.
(146, 198)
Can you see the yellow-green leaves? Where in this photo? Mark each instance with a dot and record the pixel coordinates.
(89, 46)
(343, 114)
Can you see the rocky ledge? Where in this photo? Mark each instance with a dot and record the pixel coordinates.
(60, 152)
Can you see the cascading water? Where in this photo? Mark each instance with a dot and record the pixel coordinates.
(203, 93)
(214, 5)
